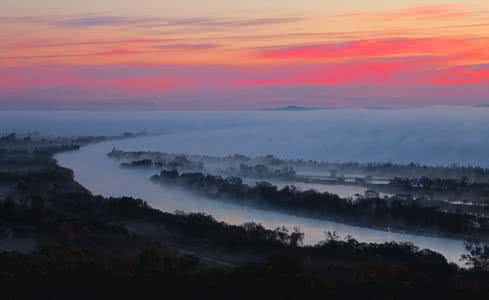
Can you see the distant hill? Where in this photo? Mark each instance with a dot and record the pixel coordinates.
(292, 108)
(378, 107)
(482, 106)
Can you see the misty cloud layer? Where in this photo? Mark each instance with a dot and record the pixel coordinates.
(431, 135)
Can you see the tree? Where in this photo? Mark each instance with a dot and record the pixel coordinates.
(281, 234)
(477, 256)
(296, 237)
(332, 236)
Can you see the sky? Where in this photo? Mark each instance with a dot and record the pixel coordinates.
(222, 55)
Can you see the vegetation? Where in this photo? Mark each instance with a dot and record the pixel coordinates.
(387, 212)
(449, 186)
(144, 163)
(416, 170)
(477, 257)
(75, 274)
(261, 171)
(156, 160)
(375, 169)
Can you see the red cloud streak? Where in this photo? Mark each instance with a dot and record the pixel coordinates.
(373, 48)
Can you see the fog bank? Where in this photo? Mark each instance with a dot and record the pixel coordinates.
(436, 135)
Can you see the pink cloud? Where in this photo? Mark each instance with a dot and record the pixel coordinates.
(397, 71)
(464, 75)
(364, 48)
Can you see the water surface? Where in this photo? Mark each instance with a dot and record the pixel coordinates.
(103, 176)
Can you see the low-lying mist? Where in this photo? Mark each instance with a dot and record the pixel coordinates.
(439, 136)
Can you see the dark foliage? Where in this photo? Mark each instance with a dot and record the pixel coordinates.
(373, 212)
(69, 273)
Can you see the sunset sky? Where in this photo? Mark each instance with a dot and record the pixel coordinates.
(223, 54)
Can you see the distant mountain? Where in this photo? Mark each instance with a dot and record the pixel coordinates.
(482, 106)
(292, 108)
(378, 107)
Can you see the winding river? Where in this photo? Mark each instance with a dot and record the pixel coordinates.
(103, 176)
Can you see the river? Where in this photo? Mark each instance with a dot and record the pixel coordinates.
(103, 176)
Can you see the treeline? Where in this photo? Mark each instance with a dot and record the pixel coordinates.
(50, 150)
(427, 185)
(69, 273)
(260, 171)
(373, 169)
(411, 170)
(155, 160)
(386, 212)
(382, 169)
(42, 150)
(144, 163)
